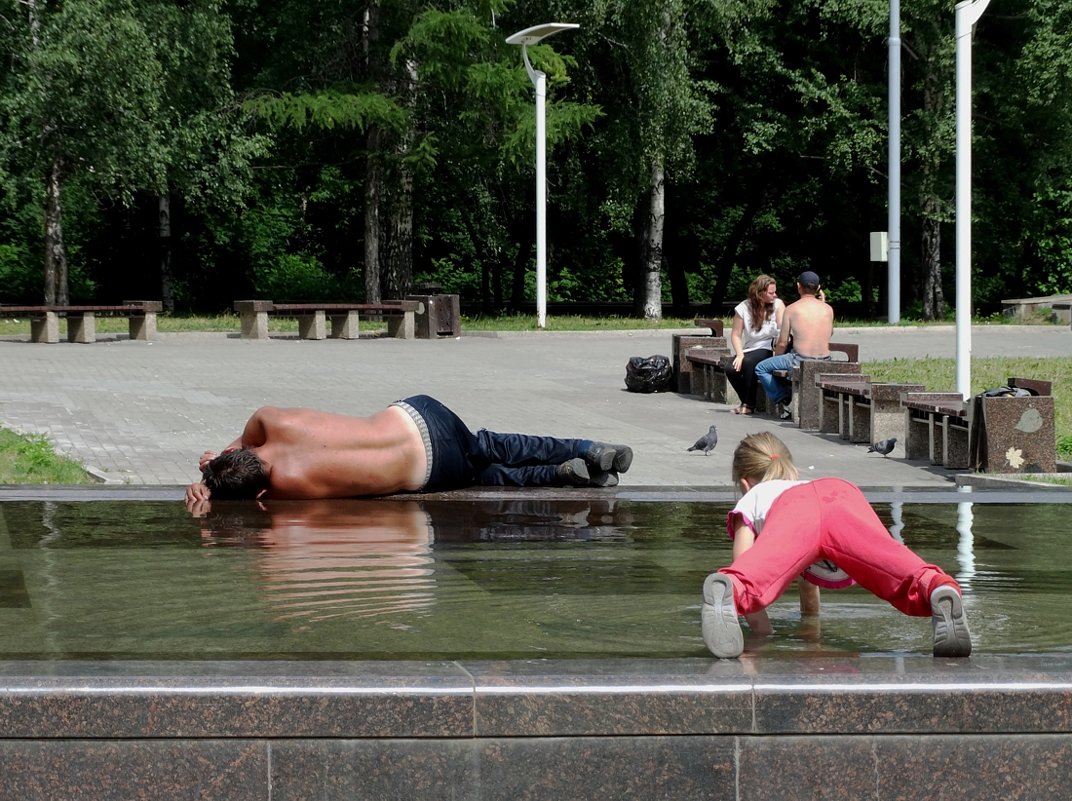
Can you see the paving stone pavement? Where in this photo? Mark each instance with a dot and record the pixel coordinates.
(141, 412)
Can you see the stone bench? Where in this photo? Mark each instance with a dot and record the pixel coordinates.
(1014, 435)
(936, 428)
(81, 319)
(859, 410)
(805, 403)
(313, 317)
(707, 364)
(1020, 309)
(684, 344)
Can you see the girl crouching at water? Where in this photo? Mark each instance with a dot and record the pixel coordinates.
(826, 532)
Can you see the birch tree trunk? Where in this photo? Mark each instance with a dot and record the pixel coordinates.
(55, 266)
(399, 261)
(373, 168)
(55, 253)
(373, 195)
(651, 287)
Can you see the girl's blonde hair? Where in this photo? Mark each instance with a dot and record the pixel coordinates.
(762, 457)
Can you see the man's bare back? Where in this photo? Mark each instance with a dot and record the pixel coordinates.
(314, 454)
(810, 322)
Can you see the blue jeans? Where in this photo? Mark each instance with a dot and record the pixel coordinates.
(461, 458)
(777, 390)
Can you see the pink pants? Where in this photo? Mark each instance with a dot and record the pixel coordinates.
(830, 519)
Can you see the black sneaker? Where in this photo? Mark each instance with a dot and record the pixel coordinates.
(950, 624)
(784, 412)
(610, 457)
(573, 473)
(718, 618)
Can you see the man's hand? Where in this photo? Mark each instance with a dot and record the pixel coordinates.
(206, 457)
(196, 493)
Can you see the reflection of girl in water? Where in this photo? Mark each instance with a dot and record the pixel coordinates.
(336, 558)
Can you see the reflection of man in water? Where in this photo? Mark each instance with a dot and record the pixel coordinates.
(414, 445)
(340, 558)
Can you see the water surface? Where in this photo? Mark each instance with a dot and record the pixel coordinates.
(425, 579)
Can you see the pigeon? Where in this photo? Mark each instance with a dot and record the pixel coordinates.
(707, 442)
(884, 447)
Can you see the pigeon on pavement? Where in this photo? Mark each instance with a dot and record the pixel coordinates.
(707, 442)
(884, 447)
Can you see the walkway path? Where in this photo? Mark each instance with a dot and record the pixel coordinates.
(141, 412)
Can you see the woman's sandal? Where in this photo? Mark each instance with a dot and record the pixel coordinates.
(742, 409)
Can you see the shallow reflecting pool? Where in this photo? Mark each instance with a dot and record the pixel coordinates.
(409, 579)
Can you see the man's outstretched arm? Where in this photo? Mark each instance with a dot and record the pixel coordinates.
(253, 434)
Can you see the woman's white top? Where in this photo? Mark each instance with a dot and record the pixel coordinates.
(765, 337)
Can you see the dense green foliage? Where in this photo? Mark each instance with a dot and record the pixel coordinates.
(206, 150)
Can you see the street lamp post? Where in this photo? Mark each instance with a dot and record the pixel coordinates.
(539, 80)
(967, 13)
(893, 226)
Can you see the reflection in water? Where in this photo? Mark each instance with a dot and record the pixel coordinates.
(897, 514)
(373, 558)
(331, 558)
(491, 578)
(966, 544)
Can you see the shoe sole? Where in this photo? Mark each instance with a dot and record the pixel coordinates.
(604, 479)
(952, 638)
(718, 618)
(576, 473)
(615, 457)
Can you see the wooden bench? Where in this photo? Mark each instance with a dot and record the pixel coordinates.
(859, 410)
(937, 428)
(81, 319)
(313, 317)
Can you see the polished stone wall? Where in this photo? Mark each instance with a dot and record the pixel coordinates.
(810, 727)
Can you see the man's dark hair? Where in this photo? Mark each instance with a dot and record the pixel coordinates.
(234, 475)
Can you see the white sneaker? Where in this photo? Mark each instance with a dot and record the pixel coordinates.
(950, 624)
(718, 618)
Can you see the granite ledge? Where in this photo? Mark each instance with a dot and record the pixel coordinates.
(536, 698)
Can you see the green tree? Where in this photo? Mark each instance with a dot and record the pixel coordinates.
(80, 95)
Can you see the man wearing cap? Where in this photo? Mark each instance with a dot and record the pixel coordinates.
(810, 324)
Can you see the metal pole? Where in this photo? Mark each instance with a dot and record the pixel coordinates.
(532, 35)
(893, 225)
(967, 14)
(541, 202)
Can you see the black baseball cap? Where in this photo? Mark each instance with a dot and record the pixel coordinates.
(808, 280)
